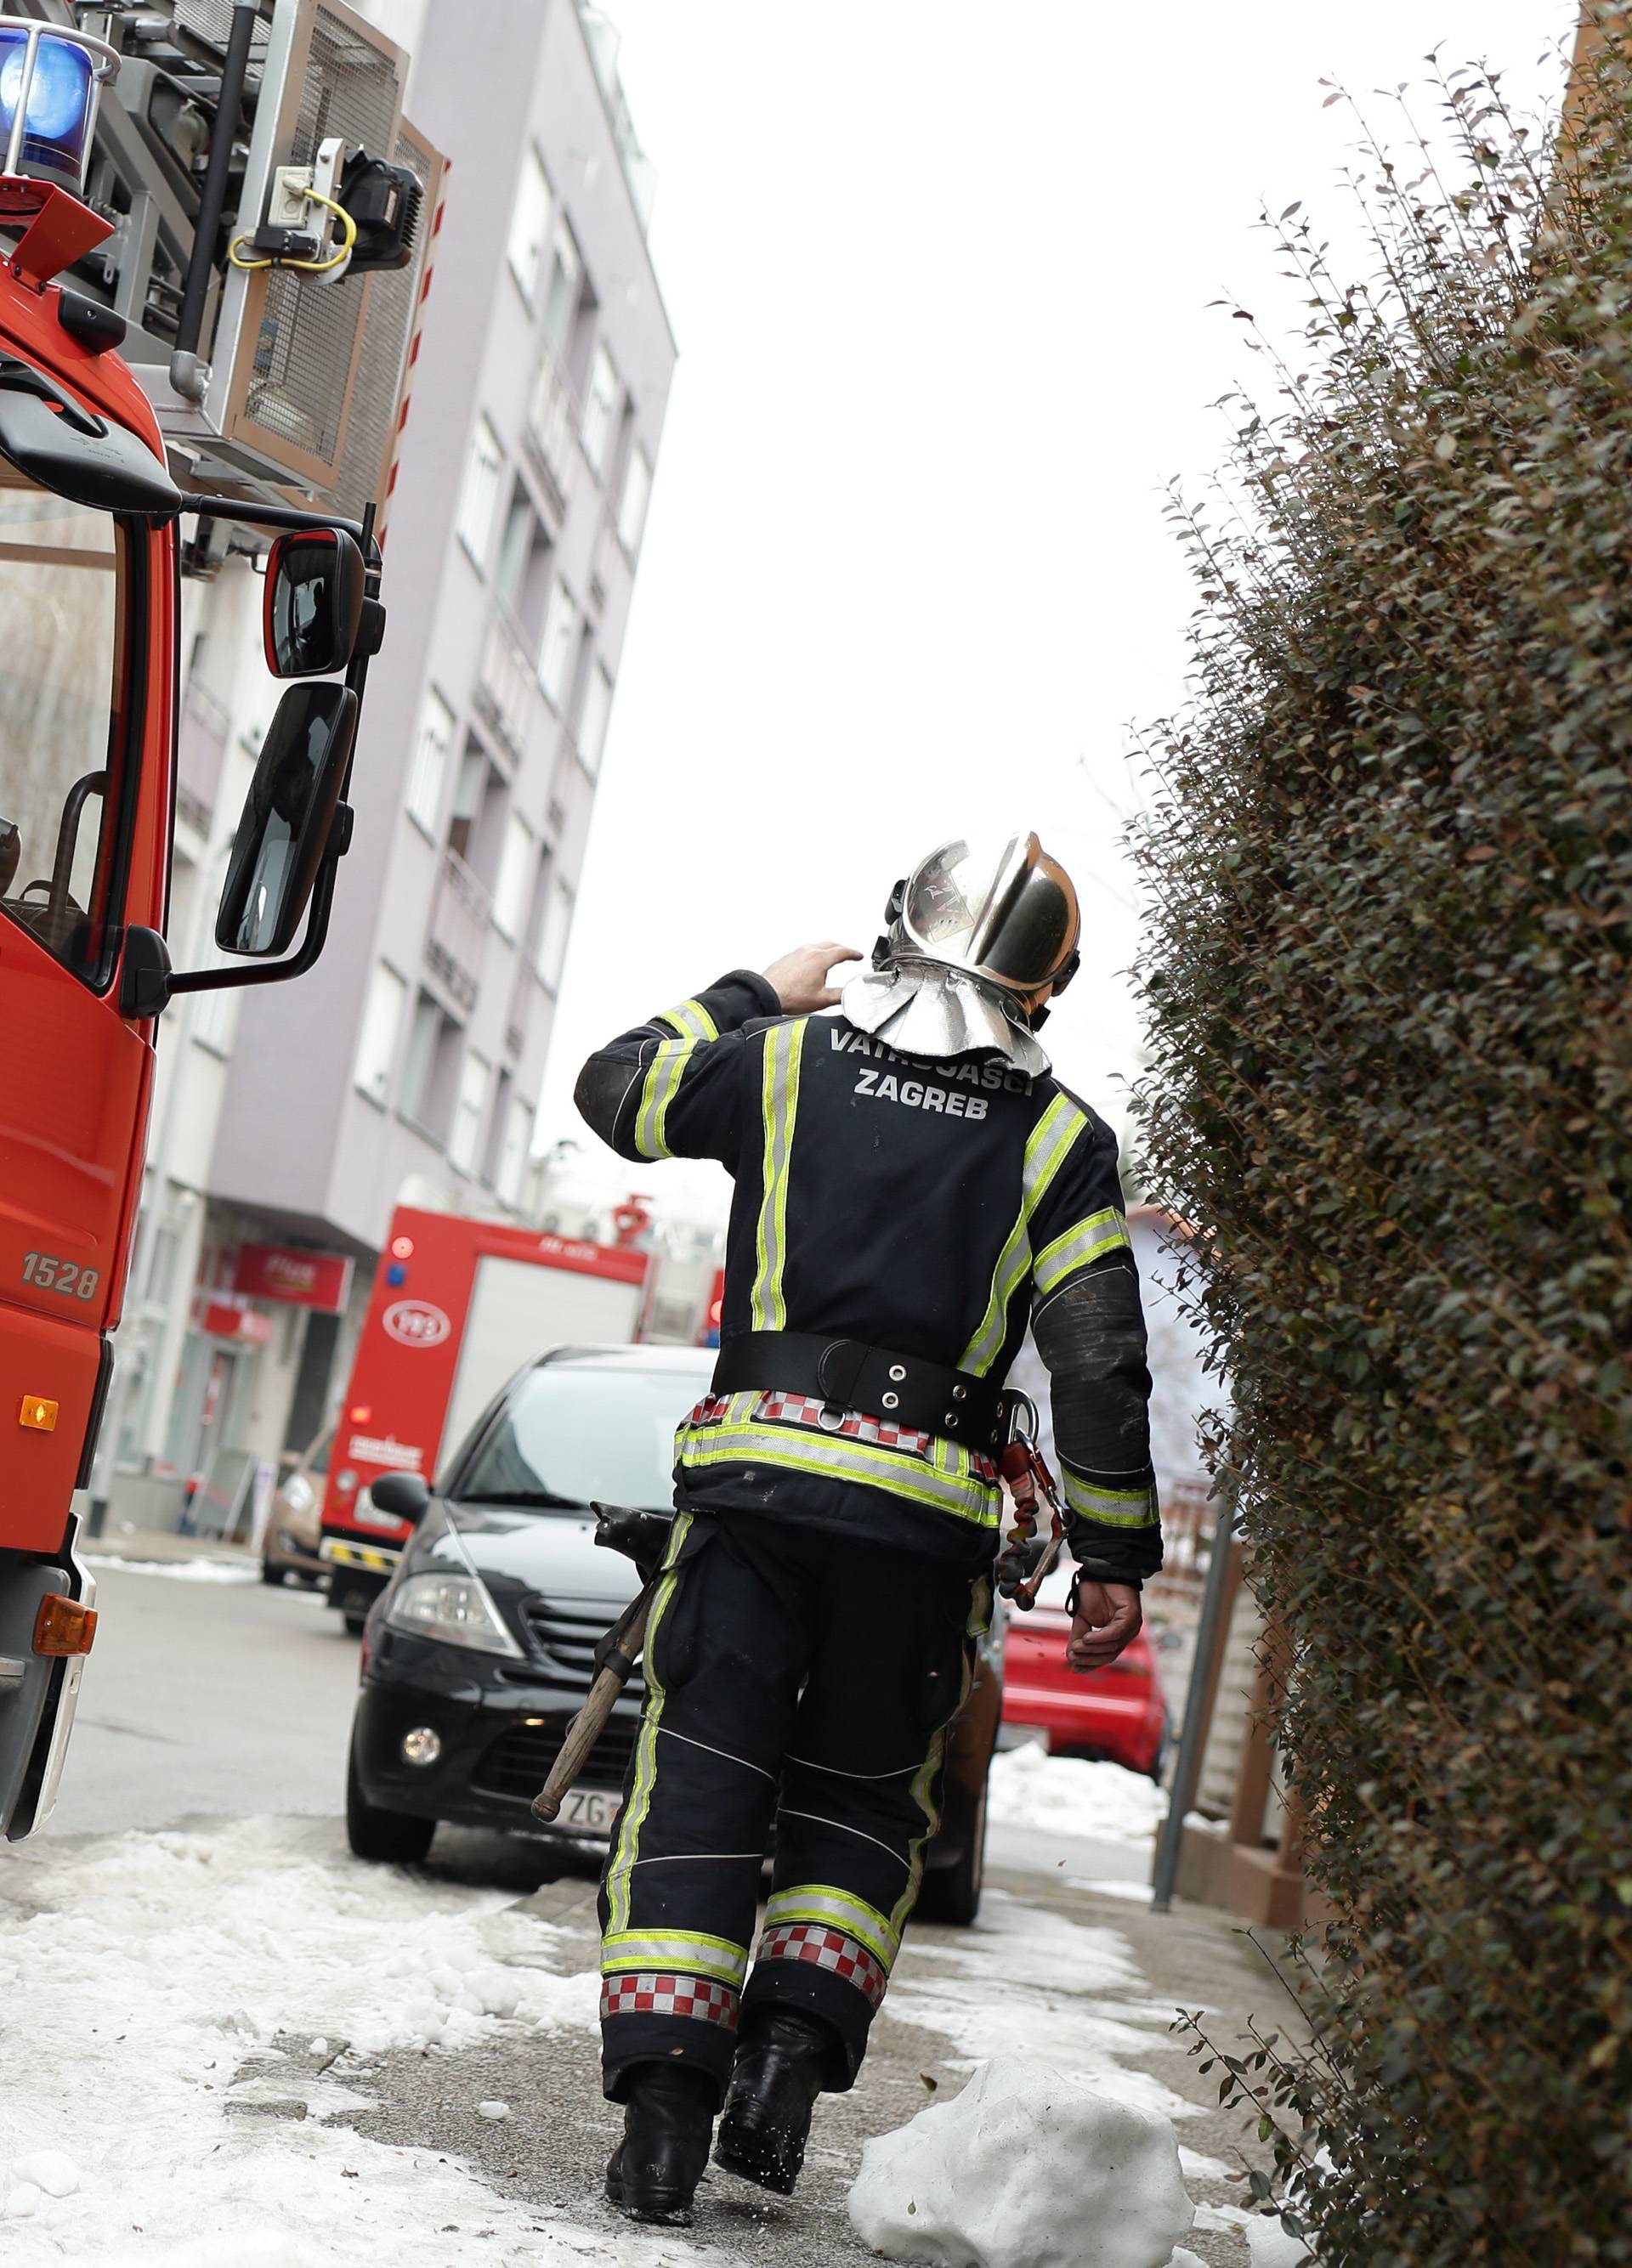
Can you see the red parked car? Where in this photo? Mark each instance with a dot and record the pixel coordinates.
(1119, 1713)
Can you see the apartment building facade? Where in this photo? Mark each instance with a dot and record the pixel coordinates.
(290, 1118)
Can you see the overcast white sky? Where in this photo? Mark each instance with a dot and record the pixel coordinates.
(940, 274)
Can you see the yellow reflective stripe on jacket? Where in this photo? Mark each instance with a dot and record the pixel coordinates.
(1051, 1138)
(820, 1902)
(1079, 1248)
(692, 1950)
(779, 1102)
(900, 1472)
(632, 1817)
(663, 1076)
(691, 1020)
(1117, 1508)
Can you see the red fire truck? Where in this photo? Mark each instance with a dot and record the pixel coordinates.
(458, 1306)
(93, 538)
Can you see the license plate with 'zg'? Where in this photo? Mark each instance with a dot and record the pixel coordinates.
(588, 1811)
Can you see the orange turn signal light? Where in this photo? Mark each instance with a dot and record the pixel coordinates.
(38, 1412)
(63, 1626)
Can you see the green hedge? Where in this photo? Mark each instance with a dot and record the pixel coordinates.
(1389, 1003)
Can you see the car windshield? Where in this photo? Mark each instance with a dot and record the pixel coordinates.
(570, 1435)
(63, 571)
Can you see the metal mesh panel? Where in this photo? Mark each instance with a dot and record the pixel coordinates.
(210, 21)
(309, 329)
(393, 294)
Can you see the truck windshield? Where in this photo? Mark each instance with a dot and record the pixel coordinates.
(64, 576)
(569, 1435)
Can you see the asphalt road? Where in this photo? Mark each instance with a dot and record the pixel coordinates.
(214, 1699)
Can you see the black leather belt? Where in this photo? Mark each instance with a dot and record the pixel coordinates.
(902, 1390)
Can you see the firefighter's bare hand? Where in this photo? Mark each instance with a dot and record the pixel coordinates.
(801, 976)
(1108, 1615)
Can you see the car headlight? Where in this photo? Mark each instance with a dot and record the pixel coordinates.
(297, 1493)
(454, 1610)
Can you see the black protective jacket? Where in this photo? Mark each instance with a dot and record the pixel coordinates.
(928, 1208)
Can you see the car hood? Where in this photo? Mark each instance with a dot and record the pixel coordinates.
(553, 1552)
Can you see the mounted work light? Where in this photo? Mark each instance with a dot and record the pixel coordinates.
(50, 82)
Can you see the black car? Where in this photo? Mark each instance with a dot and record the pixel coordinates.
(478, 1655)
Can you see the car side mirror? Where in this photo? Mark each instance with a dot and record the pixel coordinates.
(287, 816)
(312, 607)
(403, 1495)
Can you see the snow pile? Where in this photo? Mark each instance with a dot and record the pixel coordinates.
(1024, 2170)
(1066, 1795)
(179, 1570)
(160, 1962)
(1024, 1980)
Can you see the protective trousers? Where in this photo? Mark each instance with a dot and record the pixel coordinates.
(791, 1673)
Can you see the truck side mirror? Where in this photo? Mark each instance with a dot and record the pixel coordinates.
(403, 1495)
(314, 603)
(287, 820)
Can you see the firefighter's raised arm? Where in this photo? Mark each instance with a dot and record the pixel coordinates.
(672, 1087)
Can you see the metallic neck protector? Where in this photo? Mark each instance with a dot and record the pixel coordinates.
(925, 1008)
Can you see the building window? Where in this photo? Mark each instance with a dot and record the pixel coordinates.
(567, 270)
(592, 724)
(469, 1110)
(529, 223)
(600, 408)
(480, 499)
(382, 1023)
(515, 870)
(215, 1021)
(428, 1074)
(429, 770)
(515, 1146)
(559, 645)
(637, 495)
(553, 940)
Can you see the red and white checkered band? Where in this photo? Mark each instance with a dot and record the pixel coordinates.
(828, 1949)
(665, 1993)
(803, 1410)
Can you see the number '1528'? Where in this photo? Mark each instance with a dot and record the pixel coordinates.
(65, 1275)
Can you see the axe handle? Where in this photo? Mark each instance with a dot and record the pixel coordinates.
(587, 1727)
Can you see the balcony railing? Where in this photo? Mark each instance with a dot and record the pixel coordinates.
(552, 428)
(508, 690)
(456, 942)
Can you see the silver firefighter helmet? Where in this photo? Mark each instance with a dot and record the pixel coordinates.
(975, 933)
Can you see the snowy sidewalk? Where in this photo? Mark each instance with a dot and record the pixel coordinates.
(234, 2044)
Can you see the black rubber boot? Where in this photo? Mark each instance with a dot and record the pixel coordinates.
(775, 2081)
(667, 2117)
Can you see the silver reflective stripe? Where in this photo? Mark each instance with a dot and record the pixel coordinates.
(898, 1472)
(818, 1901)
(663, 1076)
(698, 1954)
(1051, 1140)
(691, 1020)
(1079, 1248)
(1117, 1508)
(779, 1103)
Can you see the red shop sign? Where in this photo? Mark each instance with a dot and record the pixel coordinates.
(304, 1280)
(224, 1319)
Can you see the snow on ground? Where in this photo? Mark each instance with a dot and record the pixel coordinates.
(1066, 1795)
(1024, 2170)
(140, 1974)
(1025, 1981)
(179, 1570)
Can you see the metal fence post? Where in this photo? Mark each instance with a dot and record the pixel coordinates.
(1187, 1763)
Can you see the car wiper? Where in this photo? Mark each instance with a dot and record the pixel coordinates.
(543, 1499)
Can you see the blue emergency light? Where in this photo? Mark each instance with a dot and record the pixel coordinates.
(50, 82)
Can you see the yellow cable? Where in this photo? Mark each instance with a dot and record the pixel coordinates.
(309, 267)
